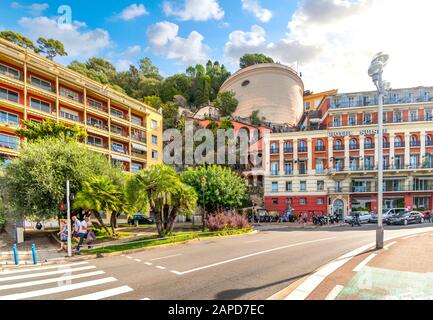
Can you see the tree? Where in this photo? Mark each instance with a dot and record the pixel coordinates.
(161, 189)
(35, 182)
(148, 70)
(170, 111)
(100, 194)
(255, 119)
(49, 129)
(252, 59)
(97, 69)
(226, 103)
(51, 48)
(224, 187)
(19, 40)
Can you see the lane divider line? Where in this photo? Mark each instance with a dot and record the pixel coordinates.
(137, 260)
(364, 262)
(160, 267)
(148, 263)
(167, 257)
(389, 245)
(334, 292)
(104, 294)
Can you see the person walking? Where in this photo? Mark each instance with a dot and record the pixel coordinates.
(76, 223)
(63, 235)
(82, 232)
(305, 219)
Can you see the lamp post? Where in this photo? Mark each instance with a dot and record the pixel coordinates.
(375, 72)
(203, 186)
(68, 210)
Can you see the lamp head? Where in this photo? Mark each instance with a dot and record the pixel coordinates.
(378, 63)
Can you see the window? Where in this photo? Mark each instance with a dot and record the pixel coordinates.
(289, 186)
(154, 139)
(397, 117)
(367, 118)
(9, 71)
(354, 164)
(414, 161)
(289, 201)
(414, 141)
(288, 168)
(303, 167)
(245, 83)
(320, 201)
(38, 82)
(339, 164)
(154, 155)
(136, 120)
(9, 95)
(117, 113)
(275, 201)
(9, 118)
(369, 163)
(369, 144)
(338, 146)
(154, 124)
(354, 144)
(274, 148)
(303, 186)
(428, 140)
(352, 120)
(320, 146)
(338, 186)
(274, 168)
(288, 147)
(319, 166)
(94, 141)
(70, 94)
(303, 201)
(398, 162)
(320, 185)
(308, 105)
(116, 129)
(337, 121)
(385, 117)
(413, 115)
(40, 105)
(428, 115)
(95, 123)
(118, 147)
(95, 104)
(136, 167)
(274, 186)
(302, 146)
(69, 114)
(9, 142)
(398, 142)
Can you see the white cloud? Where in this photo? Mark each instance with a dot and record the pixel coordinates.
(34, 9)
(132, 51)
(197, 10)
(123, 65)
(253, 6)
(78, 43)
(164, 39)
(334, 41)
(132, 12)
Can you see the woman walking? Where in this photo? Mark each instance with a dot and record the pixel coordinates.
(63, 234)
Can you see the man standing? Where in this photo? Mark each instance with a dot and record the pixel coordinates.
(77, 223)
(82, 232)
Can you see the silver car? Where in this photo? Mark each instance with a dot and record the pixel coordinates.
(388, 214)
(364, 217)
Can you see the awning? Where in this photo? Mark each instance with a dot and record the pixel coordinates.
(139, 147)
(120, 158)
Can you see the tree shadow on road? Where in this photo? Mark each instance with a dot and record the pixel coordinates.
(237, 293)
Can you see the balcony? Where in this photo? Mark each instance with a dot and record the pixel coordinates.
(288, 150)
(275, 151)
(399, 145)
(119, 115)
(338, 148)
(98, 126)
(9, 144)
(142, 156)
(275, 173)
(415, 144)
(354, 147)
(369, 147)
(103, 145)
(139, 138)
(386, 145)
(320, 148)
(302, 149)
(119, 150)
(95, 105)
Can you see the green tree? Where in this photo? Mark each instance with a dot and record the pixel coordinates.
(19, 40)
(161, 189)
(252, 59)
(226, 103)
(148, 69)
(49, 129)
(224, 187)
(35, 182)
(255, 118)
(100, 194)
(170, 110)
(51, 48)
(97, 69)
(178, 84)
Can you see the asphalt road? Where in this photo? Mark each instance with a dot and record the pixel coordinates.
(244, 267)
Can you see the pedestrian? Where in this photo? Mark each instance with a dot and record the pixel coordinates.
(430, 216)
(305, 219)
(82, 232)
(77, 223)
(63, 235)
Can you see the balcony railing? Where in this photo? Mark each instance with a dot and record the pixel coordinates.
(288, 150)
(275, 151)
(354, 147)
(369, 147)
(399, 145)
(139, 155)
(97, 106)
(7, 144)
(121, 116)
(415, 144)
(120, 150)
(338, 148)
(139, 138)
(98, 126)
(275, 173)
(302, 149)
(320, 148)
(104, 145)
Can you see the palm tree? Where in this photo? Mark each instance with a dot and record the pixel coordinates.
(160, 188)
(100, 194)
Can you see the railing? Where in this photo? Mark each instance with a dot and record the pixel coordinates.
(40, 86)
(302, 149)
(123, 116)
(9, 145)
(121, 133)
(369, 147)
(320, 148)
(98, 126)
(275, 151)
(138, 155)
(415, 144)
(139, 138)
(354, 147)
(104, 145)
(339, 148)
(119, 150)
(288, 150)
(399, 144)
(96, 106)
(72, 98)
(386, 145)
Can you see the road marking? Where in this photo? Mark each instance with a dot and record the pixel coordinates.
(43, 274)
(104, 294)
(364, 262)
(129, 257)
(167, 257)
(176, 272)
(46, 281)
(412, 236)
(138, 260)
(389, 245)
(161, 268)
(44, 292)
(334, 293)
(145, 299)
(147, 263)
(251, 255)
(58, 266)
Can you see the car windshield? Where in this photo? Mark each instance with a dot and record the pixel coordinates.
(402, 214)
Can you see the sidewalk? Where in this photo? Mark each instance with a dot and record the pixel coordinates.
(403, 270)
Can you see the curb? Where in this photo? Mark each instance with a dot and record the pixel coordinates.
(305, 286)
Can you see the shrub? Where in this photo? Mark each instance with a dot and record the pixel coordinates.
(221, 221)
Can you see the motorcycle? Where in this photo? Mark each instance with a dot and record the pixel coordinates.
(355, 222)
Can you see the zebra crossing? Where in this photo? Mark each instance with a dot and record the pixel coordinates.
(71, 281)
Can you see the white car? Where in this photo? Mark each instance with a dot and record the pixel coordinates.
(364, 217)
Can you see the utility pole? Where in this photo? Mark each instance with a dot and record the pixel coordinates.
(203, 186)
(68, 210)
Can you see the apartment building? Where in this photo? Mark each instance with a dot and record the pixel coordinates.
(36, 89)
(330, 165)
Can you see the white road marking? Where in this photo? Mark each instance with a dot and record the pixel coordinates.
(58, 266)
(167, 257)
(389, 245)
(129, 257)
(44, 274)
(137, 260)
(334, 293)
(412, 236)
(364, 262)
(251, 255)
(145, 299)
(176, 272)
(46, 281)
(104, 294)
(147, 263)
(44, 292)
(161, 268)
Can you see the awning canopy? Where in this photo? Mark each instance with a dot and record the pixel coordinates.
(139, 147)
(120, 158)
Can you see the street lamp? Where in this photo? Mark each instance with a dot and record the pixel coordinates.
(375, 72)
(203, 187)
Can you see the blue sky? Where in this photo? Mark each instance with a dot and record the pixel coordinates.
(331, 42)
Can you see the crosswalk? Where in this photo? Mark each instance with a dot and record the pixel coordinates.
(71, 281)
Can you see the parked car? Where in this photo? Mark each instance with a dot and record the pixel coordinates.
(387, 214)
(141, 218)
(406, 218)
(364, 217)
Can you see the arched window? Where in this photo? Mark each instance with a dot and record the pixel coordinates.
(368, 143)
(428, 140)
(302, 146)
(353, 144)
(414, 141)
(288, 147)
(398, 142)
(338, 145)
(320, 146)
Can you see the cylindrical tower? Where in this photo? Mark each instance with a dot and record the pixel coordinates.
(275, 90)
